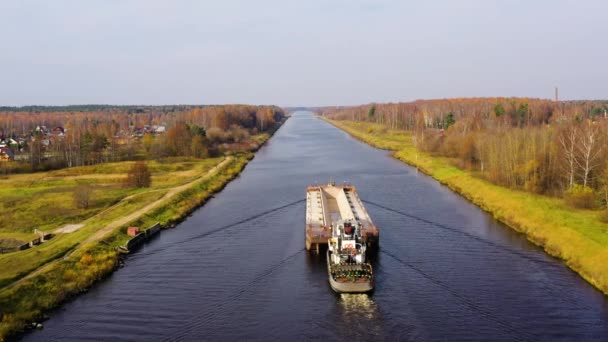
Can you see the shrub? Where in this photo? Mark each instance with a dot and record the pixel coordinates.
(467, 150)
(86, 259)
(579, 196)
(82, 196)
(238, 134)
(604, 216)
(216, 135)
(139, 176)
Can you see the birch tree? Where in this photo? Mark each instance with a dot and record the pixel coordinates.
(589, 150)
(567, 140)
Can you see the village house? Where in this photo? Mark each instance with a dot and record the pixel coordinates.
(158, 129)
(42, 129)
(8, 142)
(6, 154)
(59, 131)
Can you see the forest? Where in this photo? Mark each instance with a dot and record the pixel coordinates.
(556, 148)
(38, 138)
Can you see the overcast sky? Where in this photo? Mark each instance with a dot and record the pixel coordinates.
(305, 52)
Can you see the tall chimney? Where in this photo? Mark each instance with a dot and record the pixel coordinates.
(556, 95)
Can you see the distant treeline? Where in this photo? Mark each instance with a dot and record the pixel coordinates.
(44, 140)
(537, 145)
(98, 108)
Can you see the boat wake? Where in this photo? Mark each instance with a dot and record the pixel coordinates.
(218, 229)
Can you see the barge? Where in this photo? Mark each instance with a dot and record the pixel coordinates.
(337, 220)
(328, 204)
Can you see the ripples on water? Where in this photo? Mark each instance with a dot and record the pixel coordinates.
(237, 270)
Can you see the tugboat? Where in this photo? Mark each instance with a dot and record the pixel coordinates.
(346, 259)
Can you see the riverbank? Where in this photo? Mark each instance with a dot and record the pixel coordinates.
(90, 254)
(576, 236)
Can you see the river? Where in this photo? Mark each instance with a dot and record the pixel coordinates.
(236, 269)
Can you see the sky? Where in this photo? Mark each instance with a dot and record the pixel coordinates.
(299, 53)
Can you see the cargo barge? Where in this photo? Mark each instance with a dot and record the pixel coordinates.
(337, 220)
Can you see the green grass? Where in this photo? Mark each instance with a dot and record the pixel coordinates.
(260, 138)
(577, 236)
(44, 201)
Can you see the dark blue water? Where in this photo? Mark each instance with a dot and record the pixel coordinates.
(447, 271)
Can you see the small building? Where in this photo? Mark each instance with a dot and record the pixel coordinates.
(132, 231)
(159, 129)
(9, 142)
(6, 154)
(42, 129)
(58, 131)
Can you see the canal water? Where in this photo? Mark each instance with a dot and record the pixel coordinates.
(237, 269)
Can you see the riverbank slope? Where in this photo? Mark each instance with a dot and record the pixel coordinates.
(576, 236)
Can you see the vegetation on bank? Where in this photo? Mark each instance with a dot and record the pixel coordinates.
(536, 145)
(578, 236)
(74, 270)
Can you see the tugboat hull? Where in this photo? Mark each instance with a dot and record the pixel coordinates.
(354, 285)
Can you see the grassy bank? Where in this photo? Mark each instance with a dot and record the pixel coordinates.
(576, 236)
(75, 269)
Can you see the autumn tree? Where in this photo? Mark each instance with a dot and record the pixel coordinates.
(178, 139)
(604, 184)
(198, 148)
(148, 141)
(238, 134)
(215, 135)
(36, 149)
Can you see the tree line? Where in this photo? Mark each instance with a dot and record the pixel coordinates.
(52, 139)
(535, 145)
